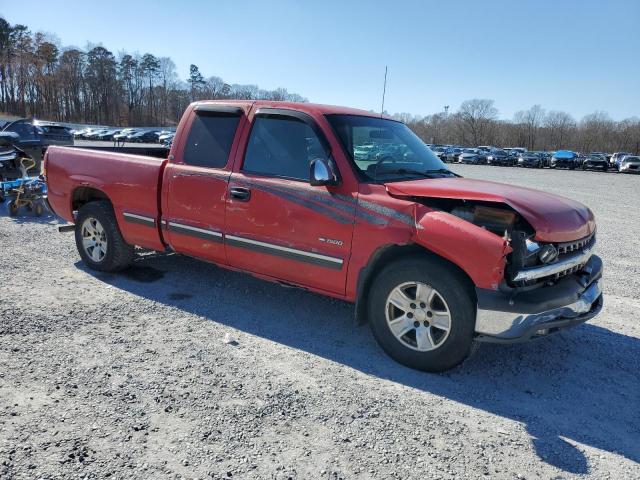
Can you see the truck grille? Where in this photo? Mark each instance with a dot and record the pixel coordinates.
(568, 247)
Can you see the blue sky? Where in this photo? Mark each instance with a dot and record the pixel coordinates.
(576, 56)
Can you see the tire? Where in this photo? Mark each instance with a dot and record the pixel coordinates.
(12, 206)
(110, 253)
(442, 349)
(38, 209)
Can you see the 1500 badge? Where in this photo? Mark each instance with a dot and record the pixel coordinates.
(331, 241)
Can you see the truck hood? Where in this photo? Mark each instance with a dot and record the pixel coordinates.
(554, 218)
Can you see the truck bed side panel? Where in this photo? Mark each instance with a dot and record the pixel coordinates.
(130, 182)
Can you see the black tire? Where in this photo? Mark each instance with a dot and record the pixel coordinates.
(12, 206)
(119, 254)
(38, 209)
(451, 287)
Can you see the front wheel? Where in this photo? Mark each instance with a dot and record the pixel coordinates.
(99, 240)
(422, 315)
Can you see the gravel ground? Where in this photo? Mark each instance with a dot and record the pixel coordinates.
(129, 376)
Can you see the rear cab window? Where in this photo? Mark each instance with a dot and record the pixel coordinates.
(210, 139)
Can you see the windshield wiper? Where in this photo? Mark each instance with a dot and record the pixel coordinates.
(436, 173)
(440, 170)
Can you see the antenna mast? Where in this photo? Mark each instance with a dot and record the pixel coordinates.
(384, 90)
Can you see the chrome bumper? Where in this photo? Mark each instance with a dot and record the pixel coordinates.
(502, 317)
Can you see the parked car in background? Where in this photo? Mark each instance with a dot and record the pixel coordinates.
(596, 161)
(167, 142)
(616, 158)
(162, 137)
(564, 159)
(94, 134)
(500, 158)
(486, 148)
(546, 158)
(107, 135)
(473, 156)
(122, 136)
(33, 137)
(86, 133)
(453, 155)
(629, 164)
(440, 152)
(144, 136)
(517, 149)
(530, 160)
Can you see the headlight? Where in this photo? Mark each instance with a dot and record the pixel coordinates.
(547, 254)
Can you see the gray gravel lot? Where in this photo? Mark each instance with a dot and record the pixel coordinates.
(128, 376)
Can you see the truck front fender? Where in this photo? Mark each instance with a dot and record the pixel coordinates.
(478, 252)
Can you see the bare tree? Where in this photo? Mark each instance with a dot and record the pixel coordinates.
(529, 123)
(477, 117)
(559, 127)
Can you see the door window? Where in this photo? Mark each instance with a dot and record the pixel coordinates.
(282, 147)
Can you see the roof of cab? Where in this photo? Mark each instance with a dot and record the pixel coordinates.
(309, 108)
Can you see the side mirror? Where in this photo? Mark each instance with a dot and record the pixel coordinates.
(322, 172)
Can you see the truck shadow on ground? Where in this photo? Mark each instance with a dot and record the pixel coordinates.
(578, 387)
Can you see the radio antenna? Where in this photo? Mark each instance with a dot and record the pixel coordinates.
(384, 91)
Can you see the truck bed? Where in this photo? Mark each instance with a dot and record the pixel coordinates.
(130, 181)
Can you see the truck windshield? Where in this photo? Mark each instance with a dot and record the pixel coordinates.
(386, 150)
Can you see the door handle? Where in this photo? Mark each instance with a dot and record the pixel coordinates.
(240, 193)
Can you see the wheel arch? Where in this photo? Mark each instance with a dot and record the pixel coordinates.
(388, 254)
(83, 195)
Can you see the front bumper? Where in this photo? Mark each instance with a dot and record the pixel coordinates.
(597, 165)
(505, 317)
(630, 168)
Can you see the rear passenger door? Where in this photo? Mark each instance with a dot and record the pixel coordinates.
(277, 223)
(195, 182)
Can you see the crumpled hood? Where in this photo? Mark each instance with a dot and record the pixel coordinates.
(554, 218)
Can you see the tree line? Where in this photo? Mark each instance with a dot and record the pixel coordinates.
(476, 123)
(40, 78)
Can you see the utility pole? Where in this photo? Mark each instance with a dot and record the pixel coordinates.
(446, 111)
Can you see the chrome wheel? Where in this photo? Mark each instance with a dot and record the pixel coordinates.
(94, 239)
(418, 316)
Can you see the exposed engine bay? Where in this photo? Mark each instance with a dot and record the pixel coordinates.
(527, 253)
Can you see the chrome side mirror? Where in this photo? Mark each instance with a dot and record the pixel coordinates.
(322, 173)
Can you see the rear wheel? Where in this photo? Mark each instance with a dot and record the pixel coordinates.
(99, 240)
(422, 315)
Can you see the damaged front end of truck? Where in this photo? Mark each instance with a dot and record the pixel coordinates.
(526, 284)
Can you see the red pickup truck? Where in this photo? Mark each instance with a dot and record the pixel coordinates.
(348, 204)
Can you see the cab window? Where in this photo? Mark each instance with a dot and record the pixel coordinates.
(210, 139)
